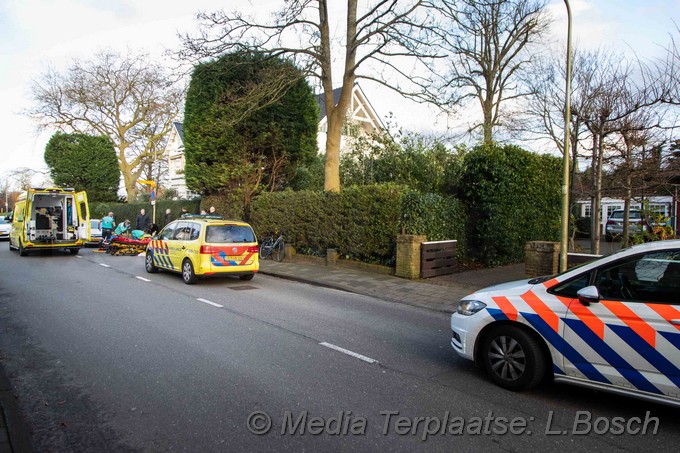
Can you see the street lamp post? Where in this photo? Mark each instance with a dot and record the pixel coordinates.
(564, 233)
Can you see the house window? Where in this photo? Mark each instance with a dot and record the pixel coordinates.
(587, 210)
(176, 165)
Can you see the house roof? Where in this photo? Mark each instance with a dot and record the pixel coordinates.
(180, 130)
(321, 99)
(358, 95)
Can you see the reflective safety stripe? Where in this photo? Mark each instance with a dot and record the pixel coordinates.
(542, 310)
(220, 259)
(666, 312)
(632, 320)
(161, 254)
(649, 353)
(585, 315)
(612, 357)
(506, 307)
(564, 348)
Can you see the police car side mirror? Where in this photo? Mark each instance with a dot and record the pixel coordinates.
(588, 295)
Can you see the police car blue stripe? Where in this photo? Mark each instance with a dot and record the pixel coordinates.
(497, 314)
(650, 354)
(673, 338)
(611, 356)
(564, 348)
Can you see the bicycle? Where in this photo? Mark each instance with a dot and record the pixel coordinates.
(270, 247)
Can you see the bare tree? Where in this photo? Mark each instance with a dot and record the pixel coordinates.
(385, 42)
(128, 98)
(488, 46)
(542, 114)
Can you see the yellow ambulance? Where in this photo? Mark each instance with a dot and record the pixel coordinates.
(50, 218)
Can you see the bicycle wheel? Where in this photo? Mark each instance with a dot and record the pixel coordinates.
(279, 251)
(265, 249)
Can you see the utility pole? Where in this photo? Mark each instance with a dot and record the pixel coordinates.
(564, 231)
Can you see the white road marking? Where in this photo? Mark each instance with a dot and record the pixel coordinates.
(142, 278)
(349, 353)
(104, 265)
(79, 257)
(210, 303)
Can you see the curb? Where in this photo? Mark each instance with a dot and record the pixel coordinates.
(353, 291)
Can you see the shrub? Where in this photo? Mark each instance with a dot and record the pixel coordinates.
(512, 196)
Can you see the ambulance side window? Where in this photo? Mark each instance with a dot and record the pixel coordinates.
(195, 231)
(167, 232)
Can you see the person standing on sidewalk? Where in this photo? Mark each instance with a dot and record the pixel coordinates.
(143, 221)
(168, 216)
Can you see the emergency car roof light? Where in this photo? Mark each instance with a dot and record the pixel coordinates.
(202, 216)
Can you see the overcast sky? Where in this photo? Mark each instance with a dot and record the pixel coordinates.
(36, 34)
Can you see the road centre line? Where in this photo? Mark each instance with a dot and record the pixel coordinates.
(104, 265)
(142, 278)
(210, 303)
(348, 352)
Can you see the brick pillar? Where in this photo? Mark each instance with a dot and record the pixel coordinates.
(541, 258)
(332, 256)
(408, 255)
(289, 253)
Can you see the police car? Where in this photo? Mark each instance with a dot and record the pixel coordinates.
(612, 324)
(203, 246)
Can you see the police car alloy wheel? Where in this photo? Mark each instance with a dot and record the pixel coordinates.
(188, 272)
(513, 358)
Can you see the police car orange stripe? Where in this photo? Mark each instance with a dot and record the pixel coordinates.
(667, 312)
(585, 315)
(625, 314)
(541, 309)
(506, 307)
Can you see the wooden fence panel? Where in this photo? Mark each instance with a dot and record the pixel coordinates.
(437, 258)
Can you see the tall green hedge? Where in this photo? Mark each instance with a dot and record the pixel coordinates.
(512, 196)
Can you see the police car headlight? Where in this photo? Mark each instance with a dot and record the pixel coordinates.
(469, 307)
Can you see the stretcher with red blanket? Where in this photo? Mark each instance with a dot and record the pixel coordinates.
(121, 245)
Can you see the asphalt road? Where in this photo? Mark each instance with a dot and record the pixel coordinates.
(105, 357)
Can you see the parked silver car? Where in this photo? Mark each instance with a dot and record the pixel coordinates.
(95, 232)
(636, 224)
(5, 226)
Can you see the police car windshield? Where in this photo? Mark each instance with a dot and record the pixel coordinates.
(228, 233)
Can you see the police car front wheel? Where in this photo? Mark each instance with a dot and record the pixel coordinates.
(513, 358)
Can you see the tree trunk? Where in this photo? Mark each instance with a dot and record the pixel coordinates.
(598, 190)
(594, 201)
(488, 120)
(332, 165)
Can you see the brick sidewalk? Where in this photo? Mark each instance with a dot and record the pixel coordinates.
(438, 293)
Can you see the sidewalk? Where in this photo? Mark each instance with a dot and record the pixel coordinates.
(438, 293)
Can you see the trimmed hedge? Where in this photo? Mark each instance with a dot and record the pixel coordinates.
(512, 196)
(438, 217)
(362, 222)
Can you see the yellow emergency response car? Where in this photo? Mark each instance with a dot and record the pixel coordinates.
(203, 246)
(50, 218)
